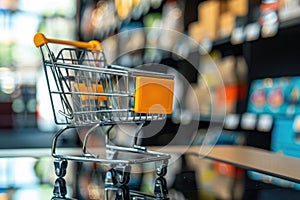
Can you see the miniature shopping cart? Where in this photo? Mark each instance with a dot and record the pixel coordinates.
(87, 92)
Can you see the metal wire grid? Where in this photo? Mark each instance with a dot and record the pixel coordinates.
(73, 68)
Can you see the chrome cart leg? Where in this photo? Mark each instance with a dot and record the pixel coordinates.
(60, 167)
(88, 133)
(136, 137)
(55, 138)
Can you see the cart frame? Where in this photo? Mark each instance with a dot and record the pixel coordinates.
(85, 92)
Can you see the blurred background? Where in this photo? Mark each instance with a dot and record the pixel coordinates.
(252, 44)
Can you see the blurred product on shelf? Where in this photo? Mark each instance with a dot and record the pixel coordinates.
(205, 29)
(172, 19)
(131, 41)
(6, 115)
(209, 92)
(208, 17)
(217, 19)
(19, 64)
(269, 20)
(227, 21)
(102, 19)
(17, 101)
(289, 9)
(277, 96)
(238, 7)
(240, 21)
(285, 138)
(123, 8)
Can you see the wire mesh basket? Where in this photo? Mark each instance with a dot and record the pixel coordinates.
(85, 90)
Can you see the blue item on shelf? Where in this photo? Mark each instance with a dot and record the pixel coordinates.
(270, 96)
(285, 140)
(277, 96)
(284, 137)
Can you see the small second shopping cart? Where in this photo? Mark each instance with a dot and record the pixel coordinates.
(87, 92)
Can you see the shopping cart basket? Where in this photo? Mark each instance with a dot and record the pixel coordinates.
(87, 92)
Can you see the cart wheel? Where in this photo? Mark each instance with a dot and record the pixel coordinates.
(60, 167)
(162, 171)
(123, 174)
(111, 177)
(60, 188)
(123, 193)
(160, 188)
(123, 178)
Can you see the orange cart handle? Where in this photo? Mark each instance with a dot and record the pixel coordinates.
(40, 39)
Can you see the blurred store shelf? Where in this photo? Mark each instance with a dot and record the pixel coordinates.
(32, 138)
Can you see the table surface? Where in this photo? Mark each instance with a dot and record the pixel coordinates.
(250, 158)
(242, 156)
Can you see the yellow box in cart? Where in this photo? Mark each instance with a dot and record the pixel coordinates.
(153, 95)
